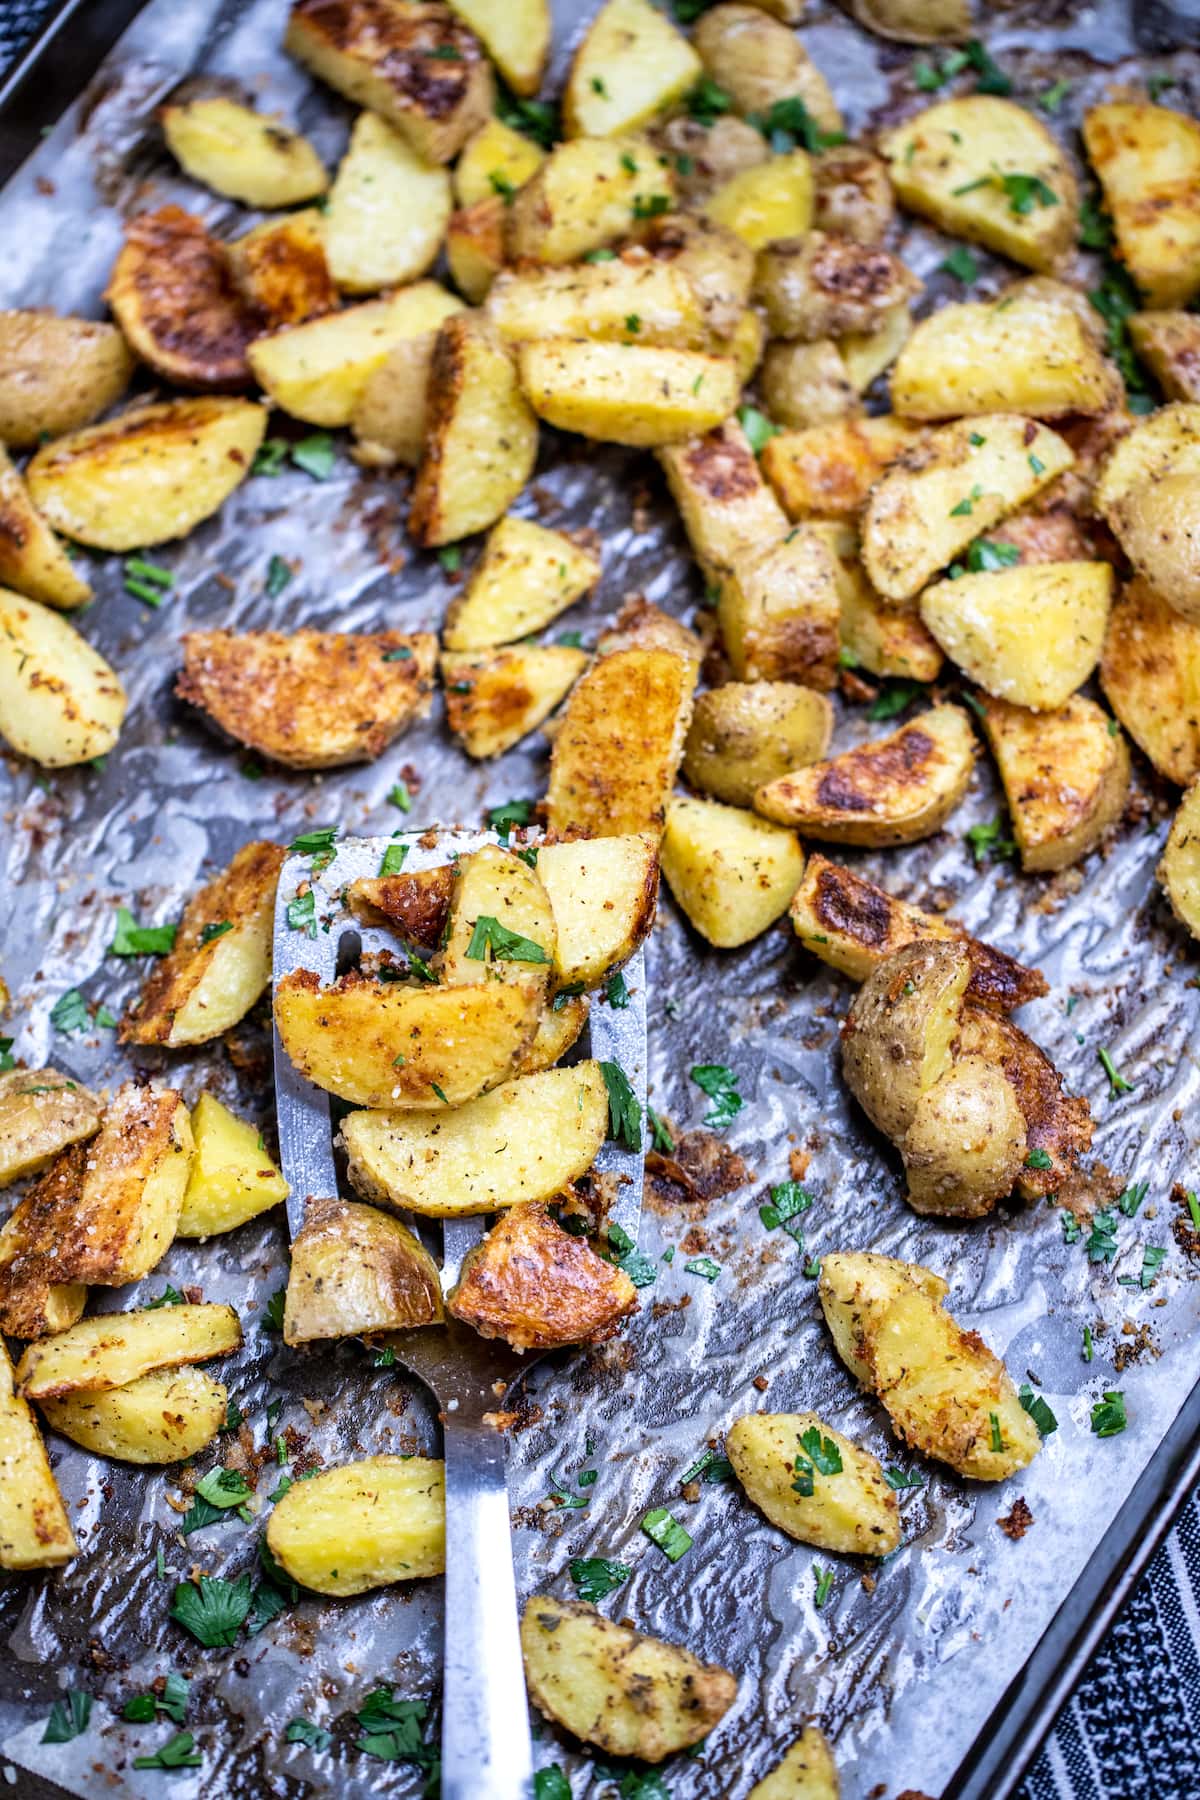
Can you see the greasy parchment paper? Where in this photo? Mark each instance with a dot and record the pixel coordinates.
(902, 1677)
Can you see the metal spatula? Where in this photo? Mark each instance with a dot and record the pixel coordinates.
(486, 1749)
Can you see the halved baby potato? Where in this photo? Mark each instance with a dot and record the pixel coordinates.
(173, 294)
(631, 64)
(242, 154)
(731, 872)
(1031, 634)
(41, 1113)
(164, 1417)
(32, 561)
(604, 892)
(113, 1349)
(1065, 775)
(60, 703)
(757, 62)
(310, 699)
(895, 790)
(362, 1525)
(524, 1141)
(356, 1270)
(627, 394)
(538, 1287)
(784, 1462)
(745, 734)
(1179, 870)
(150, 474)
(807, 384)
(481, 436)
(494, 698)
(232, 1179)
(855, 1289)
(822, 285)
(56, 374)
(35, 1531)
(1150, 673)
(526, 576)
(280, 269)
(387, 213)
(1149, 491)
(616, 752)
(211, 979)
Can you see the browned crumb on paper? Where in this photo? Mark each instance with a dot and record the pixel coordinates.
(1015, 1524)
(701, 1168)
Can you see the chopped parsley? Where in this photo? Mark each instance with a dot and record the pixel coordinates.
(445, 53)
(710, 1465)
(179, 1752)
(1108, 1414)
(7, 1060)
(986, 840)
(303, 1731)
(273, 1320)
(173, 1701)
(1038, 1410)
(615, 991)
(660, 1137)
(824, 1581)
(703, 1266)
(651, 206)
(489, 936)
(624, 1109)
(966, 505)
(600, 256)
(894, 698)
(758, 428)
(391, 1729)
(301, 913)
(1039, 1159)
(211, 1609)
(1116, 1082)
(973, 55)
(270, 457)
(1070, 1228)
(596, 1576)
(513, 812)
(170, 1296)
(984, 557)
(398, 795)
(633, 324)
(997, 1437)
(70, 1013)
(1088, 1350)
(598, 87)
(788, 123)
(1052, 98)
(132, 939)
(1101, 1245)
(535, 119)
(68, 1717)
(502, 185)
(451, 558)
(1132, 1198)
(393, 859)
(1115, 298)
(708, 101)
(217, 929)
(721, 1086)
(551, 1784)
(147, 581)
(667, 1533)
(899, 1481)
(279, 573)
(961, 264)
(788, 1201)
(315, 454)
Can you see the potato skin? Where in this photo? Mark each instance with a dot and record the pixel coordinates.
(853, 1511)
(33, 1301)
(853, 195)
(757, 61)
(173, 294)
(807, 384)
(362, 1525)
(537, 1287)
(897, 1037)
(915, 22)
(746, 734)
(1066, 777)
(821, 286)
(56, 374)
(1057, 1123)
(1158, 524)
(356, 1270)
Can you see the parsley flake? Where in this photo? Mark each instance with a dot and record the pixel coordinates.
(721, 1086)
(596, 1576)
(667, 1533)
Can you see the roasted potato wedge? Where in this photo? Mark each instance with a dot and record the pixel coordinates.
(1057, 1123)
(827, 471)
(362, 1525)
(1150, 673)
(34, 1301)
(538, 1287)
(586, 195)
(1164, 444)
(1031, 634)
(1179, 870)
(604, 892)
(779, 611)
(868, 354)
(642, 626)
(495, 162)
(1025, 352)
(354, 1270)
(853, 194)
(160, 1418)
(726, 507)
(232, 1179)
(767, 202)
(396, 1046)
(149, 475)
(617, 751)
(1065, 775)
(636, 301)
(517, 38)
(173, 294)
(745, 734)
(60, 703)
(481, 437)
(820, 286)
(1169, 345)
(808, 1771)
(950, 488)
(242, 154)
(475, 247)
(899, 1035)
(416, 905)
(522, 1142)
(32, 561)
(1149, 491)
(494, 698)
(387, 213)
(1148, 161)
(855, 1289)
(715, 260)
(310, 699)
(757, 61)
(391, 415)
(985, 169)
(526, 576)
(281, 271)
(783, 1462)
(209, 981)
(35, 1531)
(894, 790)
(807, 384)
(631, 64)
(500, 924)
(624, 393)
(41, 1113)
(56, 374)
(731, 872)
(882, 639)
(114, 1349)
(854, 926)
(415, 65)
(558, 1028)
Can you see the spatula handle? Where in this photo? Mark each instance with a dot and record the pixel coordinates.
(486, 1749)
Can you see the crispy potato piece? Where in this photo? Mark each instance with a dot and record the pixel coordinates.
(966, 1143)
(884, 640)
(56, 374)
(1169, 345)
(1058, 1123)
(60, 703)
(986, 169)
(894, 790)
(586, 194)
(807, 384)
(808, 1771)
(319, 371)
(757, 61)
(558, 1028)
(731, 873)
(1030, 634)
(868, 354)
(854, 926)
(481, 437)
(898, 1037)
(160, 1418)
(237, 152)
(643, 301)
(496, 160)
(207, 983)
(114, 1349)
(281, 271)
(1179, 870)
(497, 885)
(855, 1289)
(517, 38)
(475, 247)
(310, 699)
(396, 1046)
(726, 507)
(913, 22)
(537, 1287)
(819, 286)
(1065, 775)
(35, 1532)
(415, 65)
(1150, 673)
(715, 260)
(355, 1269)
(232, 1179)
(32, 561)
(391, 415)
(627, 393)
(362, 1525)
(778, 611)
(706, 156)
(173, 294)
(851, 1510)
(41, 1113)
(1148, 161)
(1149, 492)
(1166, 443)
(609, 1685)
(631, 64)
(604, 892)
(495, 698)
(640, 625)
(525, 578)
(745, 734)
(388, 209)
(826, 471)
(853, 195)
(525, 1141)
(616, 753)
(950, 488)
(768, 202)
(1026, 352)
(149, 475)
(33, 1302)
(417, 905)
